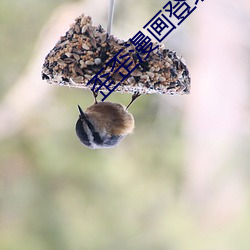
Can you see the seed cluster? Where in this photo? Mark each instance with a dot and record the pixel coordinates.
(85, 49)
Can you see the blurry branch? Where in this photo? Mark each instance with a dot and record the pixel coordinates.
(30, 92)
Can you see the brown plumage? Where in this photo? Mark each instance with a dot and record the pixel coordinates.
(111, 117)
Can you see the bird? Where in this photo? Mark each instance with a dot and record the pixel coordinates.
(103, 125)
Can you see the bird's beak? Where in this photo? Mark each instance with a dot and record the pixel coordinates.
(82, 115)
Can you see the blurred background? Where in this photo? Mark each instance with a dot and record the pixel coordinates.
(180, 182)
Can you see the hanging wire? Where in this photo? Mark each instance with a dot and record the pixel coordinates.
(110, 15)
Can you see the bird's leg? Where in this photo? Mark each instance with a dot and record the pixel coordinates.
(95, 94)
(134, 97)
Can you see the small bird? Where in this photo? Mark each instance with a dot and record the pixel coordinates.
(104, 125)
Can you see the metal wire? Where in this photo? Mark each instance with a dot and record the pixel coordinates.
(110, 16)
